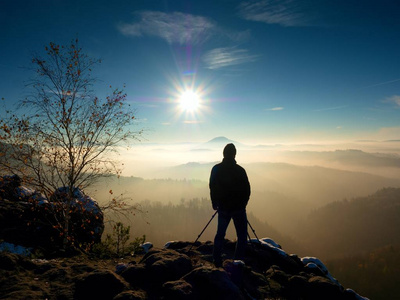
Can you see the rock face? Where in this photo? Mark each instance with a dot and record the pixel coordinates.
(173, 273)
(28, 219)
(176, 273)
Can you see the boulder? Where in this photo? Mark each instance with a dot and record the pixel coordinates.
(8, 261)
(179, 290)
(100, 284)
(167, 265)
(323, 288)
(145, 277)
(28, 219)
(212, 283)
(86, 216)
(8, 184)
(137, 275)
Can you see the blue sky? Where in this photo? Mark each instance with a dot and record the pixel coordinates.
(265, 71)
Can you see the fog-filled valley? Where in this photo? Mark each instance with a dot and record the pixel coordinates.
(340, 203)
(342, 206)
(318, 208)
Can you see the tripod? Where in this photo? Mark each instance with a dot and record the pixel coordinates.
(203, 230)
(205, 227)
(252, 229)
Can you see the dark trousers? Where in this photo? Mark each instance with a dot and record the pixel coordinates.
(240, 221)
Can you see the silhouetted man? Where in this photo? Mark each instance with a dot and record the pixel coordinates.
(230, 192)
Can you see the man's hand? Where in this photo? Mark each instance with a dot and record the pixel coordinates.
(215, 206)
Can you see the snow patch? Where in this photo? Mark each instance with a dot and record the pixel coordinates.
(16, 249)
(146, 246)
(357, 296)
(315, 263)
(167, 244)
(313, 260)
(24, 192)
(269, 244)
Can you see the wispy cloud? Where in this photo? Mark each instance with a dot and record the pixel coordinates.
(395, 99)
(229, 56)
(383, 83)
(275, 108)
(175, 28)
(331, 108)
(282, 12)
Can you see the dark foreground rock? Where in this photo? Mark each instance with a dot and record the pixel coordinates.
(172, 273)
(28, 219)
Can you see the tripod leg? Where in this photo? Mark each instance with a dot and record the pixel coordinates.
(203, 230)
(252, 229)
(249, 237)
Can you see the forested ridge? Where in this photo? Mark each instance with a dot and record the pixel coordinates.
(374, 275)
(184, 221)
(354, 226)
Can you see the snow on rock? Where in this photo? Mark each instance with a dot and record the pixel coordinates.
(16, 249)
(269, 243)
(313, 260)
(146, 246)
(356, 296)
(29, 219)
(80, 200)
(315, 263)
(24, 192)
(121, 267)
(167, 244)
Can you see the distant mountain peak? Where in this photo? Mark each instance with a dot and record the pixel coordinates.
(220, 140)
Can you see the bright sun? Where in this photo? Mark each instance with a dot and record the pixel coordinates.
(189, 100)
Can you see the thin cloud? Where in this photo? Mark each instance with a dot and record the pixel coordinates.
(225, 57)
(331, 108)
(175, 28)
(383, 83)
(282, 12)
(395, 99)
(236, 36)
(275, 108)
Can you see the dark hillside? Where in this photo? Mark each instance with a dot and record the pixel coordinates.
(375, 275)
(355, 226)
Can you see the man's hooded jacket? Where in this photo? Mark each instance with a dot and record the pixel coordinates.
(229, 186)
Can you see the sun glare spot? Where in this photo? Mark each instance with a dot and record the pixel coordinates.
(189, 100)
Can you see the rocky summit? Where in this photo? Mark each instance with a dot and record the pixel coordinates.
(180, 270)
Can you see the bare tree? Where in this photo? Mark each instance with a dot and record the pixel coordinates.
(62, 134)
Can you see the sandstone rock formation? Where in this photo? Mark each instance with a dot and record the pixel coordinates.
(28, 219)
(173, 273)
